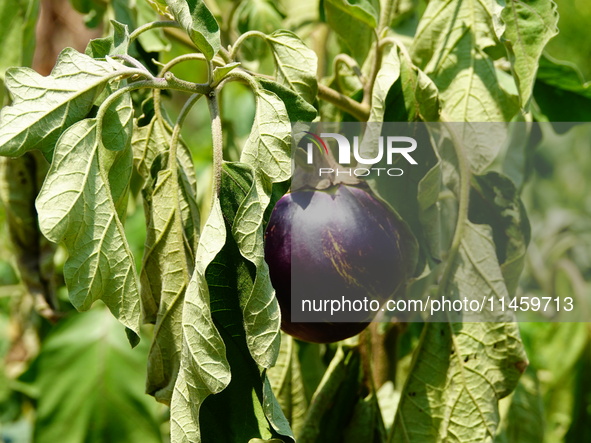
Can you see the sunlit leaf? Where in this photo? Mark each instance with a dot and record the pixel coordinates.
(77, 206)
(295, 64)
(44, 107)
(450, 47)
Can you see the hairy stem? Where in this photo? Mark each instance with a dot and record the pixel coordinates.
(164, 72)
(375, 67)
(168, 82)
(358, 110)
(177, 131)
(236, 46)
(218, 142)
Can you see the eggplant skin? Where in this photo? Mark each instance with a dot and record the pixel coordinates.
(339, 243)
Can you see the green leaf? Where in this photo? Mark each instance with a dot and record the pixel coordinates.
(229, 279)
(523, 413)
(199, 23)
(361, 10)
(298, 109)
(366, 422)
(295, 63)
(100, 264)
(221, 71)
(94, 11)
(257, 15)
(334, 400)
(204, 367)
(173, 220)
(354, 21)
(561, 93)
(117, 126)
(116, 44)
(43, 107)
(259, 305)
(413, 96)
(86, 377)
(286, 381)
(154, 41)
(450, 47)
(495, 201)
(528, 27)
(268, 146)
(387, 75)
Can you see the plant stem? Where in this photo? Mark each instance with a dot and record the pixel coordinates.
(242, 76)
(154, 25)
(217, 141)
(375, 67)
(241, 39)
(168, 82)
(358, 110)
(177, 131)
(165, 72)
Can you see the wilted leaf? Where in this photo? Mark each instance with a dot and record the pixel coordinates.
(230, 278)
(267, 151)
(44, 107)
(20, 181)
(204, 367)
(77, 206)
(268, 146)
(173, 220)
(388, 74)
(165, 275)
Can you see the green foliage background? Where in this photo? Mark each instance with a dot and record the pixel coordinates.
(79, 380)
